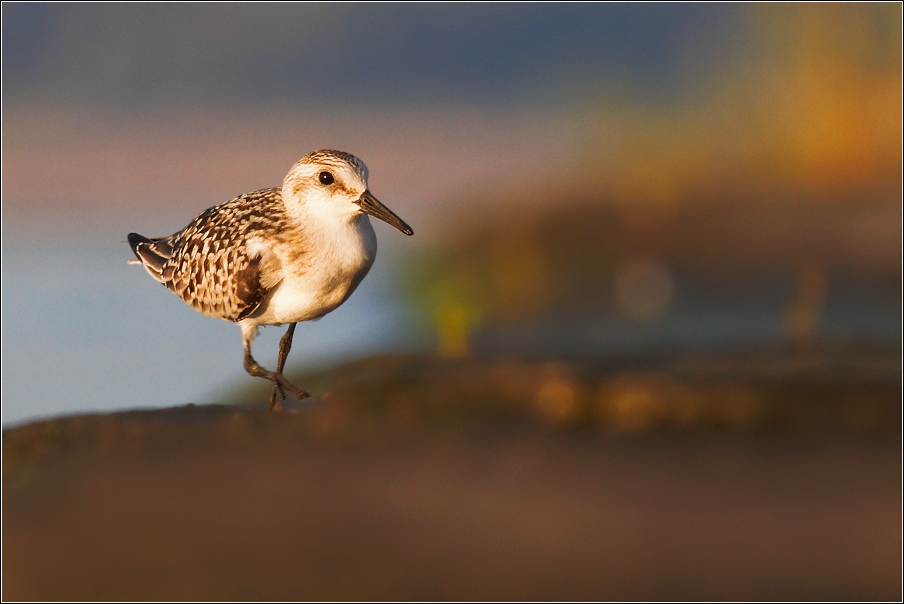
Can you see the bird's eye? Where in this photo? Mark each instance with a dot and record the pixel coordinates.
(326, 178)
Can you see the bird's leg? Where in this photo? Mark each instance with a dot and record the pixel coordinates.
(285, 345)
(280, 383)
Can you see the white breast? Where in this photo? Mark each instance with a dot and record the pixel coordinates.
(325, 276)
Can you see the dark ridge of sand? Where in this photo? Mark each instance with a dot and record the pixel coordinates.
(413, 478)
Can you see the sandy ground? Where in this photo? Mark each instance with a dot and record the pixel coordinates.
(379, 490)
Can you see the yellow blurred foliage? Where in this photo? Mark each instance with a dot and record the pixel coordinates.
(817, 110)
(455, 320)
(455, 304)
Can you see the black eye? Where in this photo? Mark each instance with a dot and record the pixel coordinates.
(326, 178)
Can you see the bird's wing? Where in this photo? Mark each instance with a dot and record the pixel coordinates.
(152, 253)
(214, 265)
(258, 279)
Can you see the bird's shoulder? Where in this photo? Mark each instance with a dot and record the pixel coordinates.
(257, 211)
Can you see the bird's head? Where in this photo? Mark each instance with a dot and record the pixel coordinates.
(333, 185)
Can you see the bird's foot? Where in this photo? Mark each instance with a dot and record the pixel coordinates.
(278, 394)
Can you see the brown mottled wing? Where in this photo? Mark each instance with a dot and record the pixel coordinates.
(250, 289)
(211, 267)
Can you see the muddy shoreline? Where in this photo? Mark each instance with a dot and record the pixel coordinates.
(410, 479)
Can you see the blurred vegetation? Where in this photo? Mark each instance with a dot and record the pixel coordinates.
(590, 260)
(782, 173)
(814, 109)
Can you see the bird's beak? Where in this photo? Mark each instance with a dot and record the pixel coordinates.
(370, 204)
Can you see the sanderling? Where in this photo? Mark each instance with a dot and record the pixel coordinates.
(275, 256)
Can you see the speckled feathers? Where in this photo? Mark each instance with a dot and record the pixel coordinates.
(209, 264)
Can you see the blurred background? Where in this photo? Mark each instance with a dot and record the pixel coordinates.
(581, 179)
(644, 344)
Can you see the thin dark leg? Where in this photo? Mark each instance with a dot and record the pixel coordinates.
(285, 345)
(280, 383)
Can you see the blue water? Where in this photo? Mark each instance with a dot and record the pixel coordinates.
(84, 331)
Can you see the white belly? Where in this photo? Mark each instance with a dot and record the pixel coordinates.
(303, 299)
(324, 280)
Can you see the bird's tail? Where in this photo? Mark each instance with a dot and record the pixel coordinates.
(151, 253)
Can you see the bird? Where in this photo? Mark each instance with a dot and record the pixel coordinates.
(275, 256)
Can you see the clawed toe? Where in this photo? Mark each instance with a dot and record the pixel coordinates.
(278, 394)
(290, 387)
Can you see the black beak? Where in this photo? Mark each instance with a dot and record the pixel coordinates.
(372, 206)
